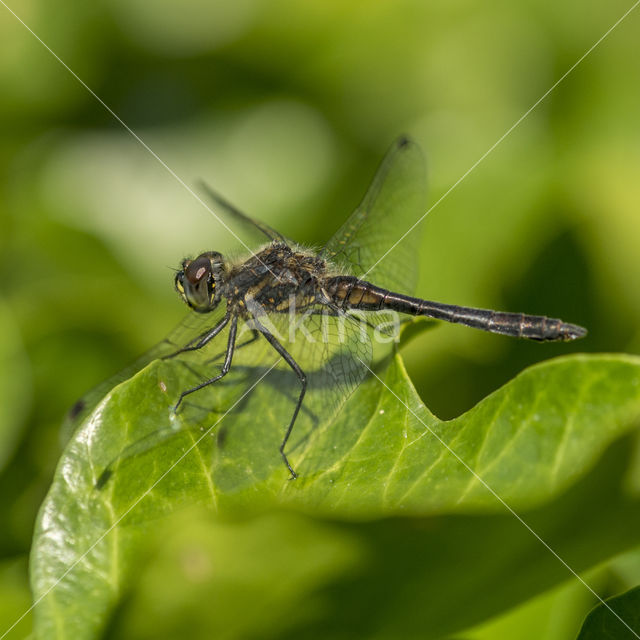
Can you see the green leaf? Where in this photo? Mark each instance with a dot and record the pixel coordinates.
(618, 619)
(382, 455)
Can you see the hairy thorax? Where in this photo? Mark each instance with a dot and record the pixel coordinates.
(276, 279)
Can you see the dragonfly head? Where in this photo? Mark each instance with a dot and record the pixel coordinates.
(200, 280)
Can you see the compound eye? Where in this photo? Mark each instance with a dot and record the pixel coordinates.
(198, 270)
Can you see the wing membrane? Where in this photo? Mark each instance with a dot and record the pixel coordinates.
(334, 352)
(189, 328)
(254, 227)
(394, 202)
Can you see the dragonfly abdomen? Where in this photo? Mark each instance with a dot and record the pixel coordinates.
(352, 293)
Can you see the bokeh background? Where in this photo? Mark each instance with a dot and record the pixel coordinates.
(286, 108)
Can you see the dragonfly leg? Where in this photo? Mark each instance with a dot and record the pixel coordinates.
(227, 360)
(203, 338)
(255, 335)
(288, 358)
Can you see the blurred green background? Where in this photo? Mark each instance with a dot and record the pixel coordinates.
(286, 108)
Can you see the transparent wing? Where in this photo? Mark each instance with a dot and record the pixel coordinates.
(393, 204)
(189, 328)
(334, 350)
(257, 229)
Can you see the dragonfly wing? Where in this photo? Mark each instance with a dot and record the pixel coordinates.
(332, 348)
(334, 352)
(372, 243)
(257, 229)
(189, 328)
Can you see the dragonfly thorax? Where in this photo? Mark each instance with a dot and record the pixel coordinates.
(200, 281)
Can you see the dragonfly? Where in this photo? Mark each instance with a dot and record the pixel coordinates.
(319, 310)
